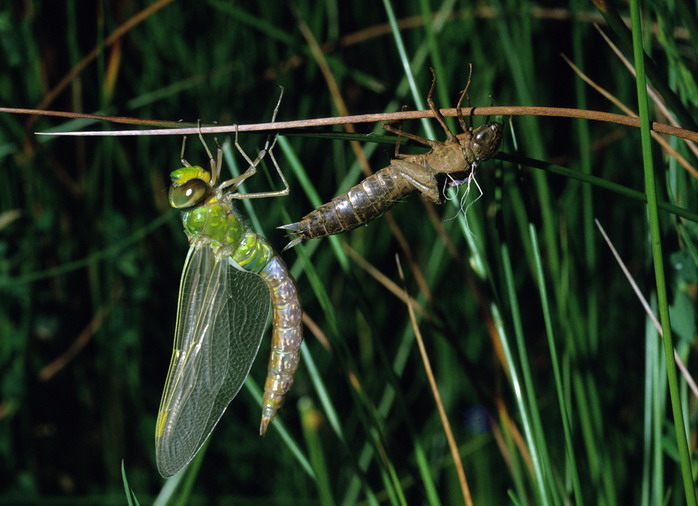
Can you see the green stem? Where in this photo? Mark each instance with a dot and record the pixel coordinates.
(650, 189)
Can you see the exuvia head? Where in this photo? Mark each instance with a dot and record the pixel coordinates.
(191, 186)
(485, 140)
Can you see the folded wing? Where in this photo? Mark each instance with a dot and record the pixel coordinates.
(221, 315)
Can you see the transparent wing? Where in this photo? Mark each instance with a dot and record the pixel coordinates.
(221, 316)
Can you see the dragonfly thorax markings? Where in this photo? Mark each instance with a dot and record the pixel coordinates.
(207, 217)
(216, 224)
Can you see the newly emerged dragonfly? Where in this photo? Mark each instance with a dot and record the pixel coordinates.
(449, 163)
(231, 277)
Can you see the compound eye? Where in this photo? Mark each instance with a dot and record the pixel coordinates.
(486, 140)
(188, 194)
(483, 138)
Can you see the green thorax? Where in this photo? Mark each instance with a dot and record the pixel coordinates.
(216, 225)
(210, 220)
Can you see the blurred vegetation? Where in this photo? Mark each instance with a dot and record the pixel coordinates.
(90, 258)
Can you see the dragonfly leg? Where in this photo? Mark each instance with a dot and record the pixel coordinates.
(181, 154)
(252, 168)
(416, 138)
(219, 159)
(185, 163)
(422, 180)
(398, 133)
(450, 138)
(465, 95)
(214, 164)
(397, 140)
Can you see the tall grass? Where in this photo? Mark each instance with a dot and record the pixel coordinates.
(551, 374)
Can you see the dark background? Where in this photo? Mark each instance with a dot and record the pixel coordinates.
(91, 254)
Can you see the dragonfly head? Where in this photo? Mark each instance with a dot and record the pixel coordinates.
(190, 187)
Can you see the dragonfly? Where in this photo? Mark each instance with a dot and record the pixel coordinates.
(448, 163)
(231, 278)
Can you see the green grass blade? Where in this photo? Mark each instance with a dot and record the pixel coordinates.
(131, 498)
(658, 257)
(561, 391)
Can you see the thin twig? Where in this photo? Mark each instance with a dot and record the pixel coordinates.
(384, 280)
(656, 98)
(646, 306)
(60, 362)
(560, 112)
(315, 330)
(111, 39)
(457, 462)
(609, 96)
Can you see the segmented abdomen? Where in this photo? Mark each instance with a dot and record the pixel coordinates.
(286, 338)
(256, 255)
(361, 204)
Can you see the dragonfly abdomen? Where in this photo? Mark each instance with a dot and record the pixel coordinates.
(256, 255)
(217, 224)
(361, 204)
(286, 337)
